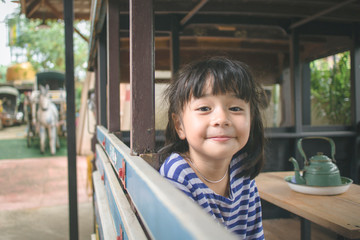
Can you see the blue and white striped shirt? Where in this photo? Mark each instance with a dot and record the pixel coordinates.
(240, 212)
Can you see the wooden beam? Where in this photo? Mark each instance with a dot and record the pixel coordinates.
(23, 6)
(34, 8)
(319, 14)
(28, 3)
(53, 9)
(193, 12)
(60, 16)
(81, 35)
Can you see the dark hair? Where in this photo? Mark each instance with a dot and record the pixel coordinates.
(227, 76)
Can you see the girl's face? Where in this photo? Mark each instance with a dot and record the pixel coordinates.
(215, 126)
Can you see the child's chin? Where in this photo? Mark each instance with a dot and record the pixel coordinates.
(223, 154)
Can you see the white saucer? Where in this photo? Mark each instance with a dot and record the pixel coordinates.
(313, 190)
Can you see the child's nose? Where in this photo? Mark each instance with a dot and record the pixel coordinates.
(221, 118)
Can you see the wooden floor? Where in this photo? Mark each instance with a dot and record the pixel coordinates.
(289, 228)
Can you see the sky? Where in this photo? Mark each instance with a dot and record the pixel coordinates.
(5, 9)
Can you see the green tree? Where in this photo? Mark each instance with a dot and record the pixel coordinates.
(330, 88)
(44, 48)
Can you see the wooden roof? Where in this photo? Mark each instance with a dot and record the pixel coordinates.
(286, 13)
(54, 9)
(259, 30)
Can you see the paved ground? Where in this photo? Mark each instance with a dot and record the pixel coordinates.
(13, 132)
(34, 197)
(44, 223)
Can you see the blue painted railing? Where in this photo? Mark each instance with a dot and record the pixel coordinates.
(142, 203)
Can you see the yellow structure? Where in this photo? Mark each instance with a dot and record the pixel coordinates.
(20, 72)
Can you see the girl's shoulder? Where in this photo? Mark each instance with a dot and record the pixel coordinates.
(236, 164)
(179, 173)
(174, 164)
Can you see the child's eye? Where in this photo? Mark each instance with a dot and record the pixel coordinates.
(235, 109)
(203, 109)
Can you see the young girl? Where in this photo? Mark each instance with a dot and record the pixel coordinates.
(214, 144)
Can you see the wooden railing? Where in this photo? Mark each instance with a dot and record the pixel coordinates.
(133, 201)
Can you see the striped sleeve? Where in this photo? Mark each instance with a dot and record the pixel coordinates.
(173, 170)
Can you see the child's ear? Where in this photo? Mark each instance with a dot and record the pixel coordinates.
(178, 126)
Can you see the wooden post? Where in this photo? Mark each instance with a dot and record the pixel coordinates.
(355, 76)
(142, 134)
(355, 103)
(296, 85)
(70, 118)
(306, 93)
(113, 67)
(102, 75)
(174, 46)
(97, 93)
(97, 101)
(296, 79)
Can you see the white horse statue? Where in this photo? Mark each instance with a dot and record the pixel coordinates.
(47, 117)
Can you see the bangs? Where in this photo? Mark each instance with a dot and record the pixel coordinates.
(223, 79)
(222, 75)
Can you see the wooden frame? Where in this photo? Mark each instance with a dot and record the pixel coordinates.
(104, 59)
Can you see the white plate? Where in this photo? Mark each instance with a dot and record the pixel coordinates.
(331, 190)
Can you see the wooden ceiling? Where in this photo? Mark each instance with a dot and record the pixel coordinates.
(53, 9)
(289, 12)
(256, 31)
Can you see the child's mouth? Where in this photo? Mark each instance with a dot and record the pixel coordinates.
(220, 138)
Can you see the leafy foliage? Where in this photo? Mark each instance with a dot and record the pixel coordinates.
(44, 48)
(330, 88)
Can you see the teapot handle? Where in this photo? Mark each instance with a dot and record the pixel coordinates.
(332, 144)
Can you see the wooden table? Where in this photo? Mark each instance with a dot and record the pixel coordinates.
(339, 213)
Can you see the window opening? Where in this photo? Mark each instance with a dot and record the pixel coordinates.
(330, 90)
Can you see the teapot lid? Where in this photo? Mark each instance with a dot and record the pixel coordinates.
(320, 157)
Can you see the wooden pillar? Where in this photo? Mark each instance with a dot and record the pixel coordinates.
(102, 77)
(174, 46)
(306, 94)
(286, 93)
(142, 134)
(97, 94)
(295, 76)
(355, 101)
(97, 102)
(296, 80)
(70, 118)
(355, 76)
(113, 66)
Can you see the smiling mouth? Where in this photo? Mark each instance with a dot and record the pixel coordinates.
(220, 138)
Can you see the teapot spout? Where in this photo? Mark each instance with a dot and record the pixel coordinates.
(298, 178)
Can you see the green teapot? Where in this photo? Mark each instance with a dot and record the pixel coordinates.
(319, 170)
